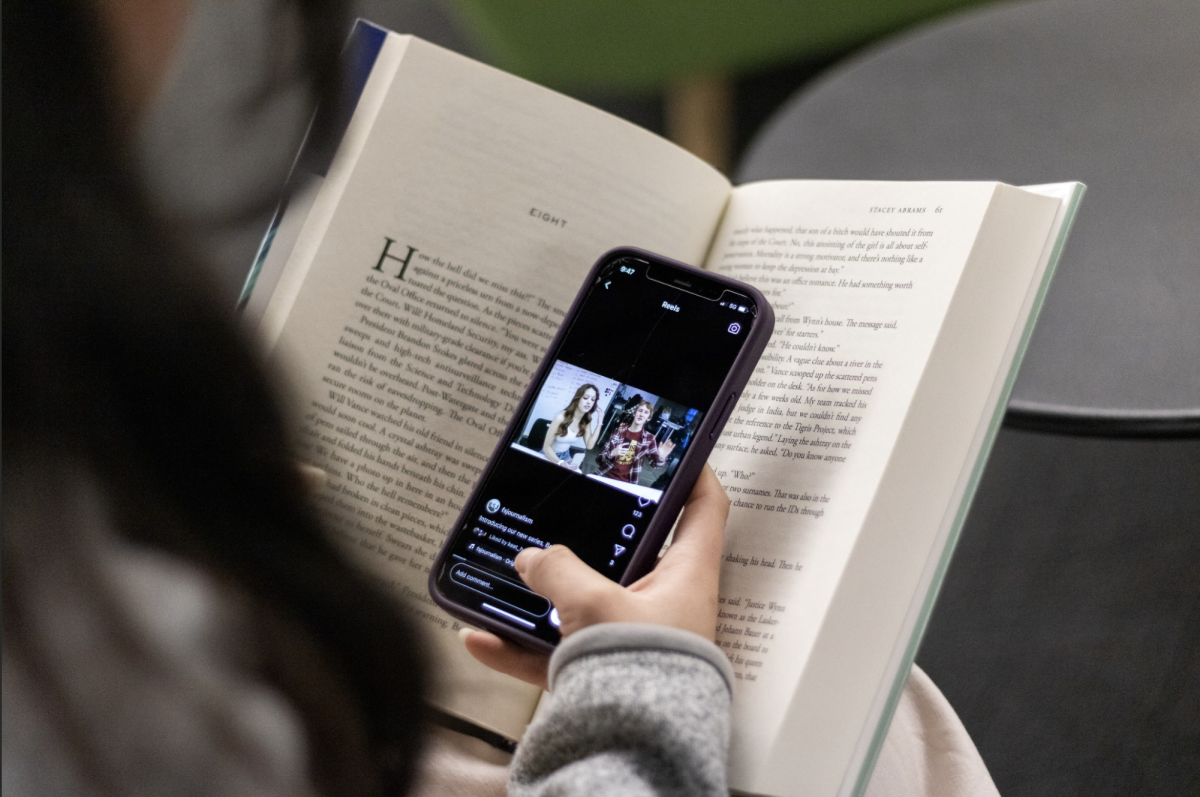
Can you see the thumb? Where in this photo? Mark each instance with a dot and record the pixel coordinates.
(580, 594)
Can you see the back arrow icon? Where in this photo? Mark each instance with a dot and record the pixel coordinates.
(607, 284)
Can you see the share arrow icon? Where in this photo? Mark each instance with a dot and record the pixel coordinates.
(618, 550)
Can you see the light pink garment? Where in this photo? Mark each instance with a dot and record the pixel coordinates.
(927, 752)
(455, 765)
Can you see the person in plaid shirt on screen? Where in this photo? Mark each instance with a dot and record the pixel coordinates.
(629, 446)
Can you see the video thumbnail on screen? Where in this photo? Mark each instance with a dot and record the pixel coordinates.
(609, 431)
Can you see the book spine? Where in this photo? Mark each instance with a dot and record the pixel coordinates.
(361, 50)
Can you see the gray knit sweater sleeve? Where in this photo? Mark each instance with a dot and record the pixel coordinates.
(634, 710)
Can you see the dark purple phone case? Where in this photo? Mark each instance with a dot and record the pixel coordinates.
(677, 491)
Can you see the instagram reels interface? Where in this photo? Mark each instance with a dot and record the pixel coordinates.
(639, 369)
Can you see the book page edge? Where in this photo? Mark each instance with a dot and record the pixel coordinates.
(321, 214)
(863, 763)
(769, 779)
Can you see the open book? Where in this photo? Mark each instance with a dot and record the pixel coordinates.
(410, 288)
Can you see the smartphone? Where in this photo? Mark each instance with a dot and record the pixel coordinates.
(609, 439)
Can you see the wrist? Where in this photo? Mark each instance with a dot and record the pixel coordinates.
(605, 638)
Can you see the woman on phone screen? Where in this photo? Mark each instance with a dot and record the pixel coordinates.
(574, 430)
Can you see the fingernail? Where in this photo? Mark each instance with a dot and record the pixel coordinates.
(312, 477)
(521, 563)
(463, 633)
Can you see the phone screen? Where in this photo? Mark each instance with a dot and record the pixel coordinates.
(641, 365)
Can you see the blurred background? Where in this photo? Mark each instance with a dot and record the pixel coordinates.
(705, 74)
(1067, 634)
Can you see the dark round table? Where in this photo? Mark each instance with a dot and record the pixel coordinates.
(1028, 93)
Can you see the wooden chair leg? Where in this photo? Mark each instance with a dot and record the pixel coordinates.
(699, 118)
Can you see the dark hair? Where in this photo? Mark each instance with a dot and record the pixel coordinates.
(569, 412)
(119, 358)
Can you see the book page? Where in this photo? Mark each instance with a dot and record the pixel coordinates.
(462, 230)
(959, 405)
(860, 276)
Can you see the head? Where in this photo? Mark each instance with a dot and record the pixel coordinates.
(641, 414)
(131, 370)
(585, 398)
(582, 403)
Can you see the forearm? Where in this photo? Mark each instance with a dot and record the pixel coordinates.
(634, 709)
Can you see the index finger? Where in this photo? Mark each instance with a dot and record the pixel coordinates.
(700, 534)
(505, 657)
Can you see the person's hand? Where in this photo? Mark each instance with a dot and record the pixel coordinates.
(619, 451)
(666, 448)
(681, 591)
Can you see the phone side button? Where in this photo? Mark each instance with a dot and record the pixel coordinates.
(723, 416)
(500, 590)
